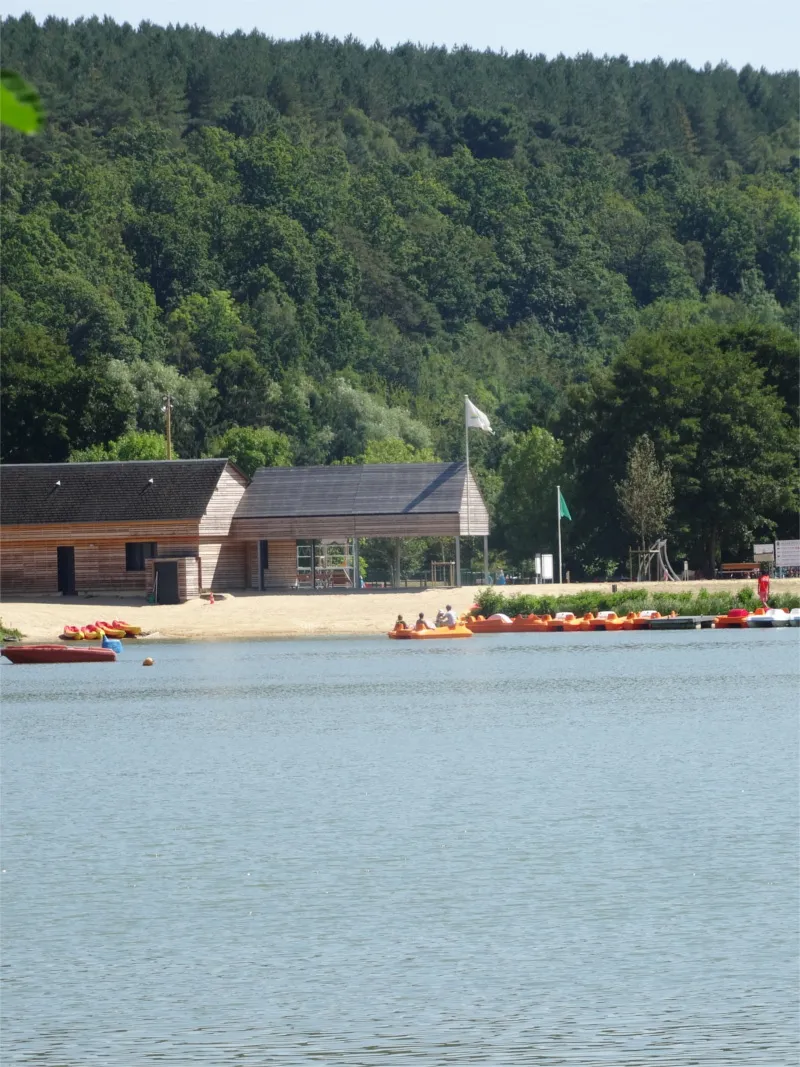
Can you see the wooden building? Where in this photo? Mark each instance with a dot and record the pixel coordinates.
(284, 506)
(176, 527)
(120, 527)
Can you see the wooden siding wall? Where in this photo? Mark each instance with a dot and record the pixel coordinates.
(28, 569)
(299, 529)
(474, 518)
(29, 559)
(222, 565)
(223, 503)
(282, 570)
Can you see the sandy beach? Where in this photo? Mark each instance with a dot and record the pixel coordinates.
(289, 615)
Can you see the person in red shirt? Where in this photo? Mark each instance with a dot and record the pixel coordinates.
(763, 587)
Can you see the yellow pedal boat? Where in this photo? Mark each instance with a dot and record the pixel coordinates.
(430, 635)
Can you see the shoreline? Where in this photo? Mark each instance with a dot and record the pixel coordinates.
(253, 615)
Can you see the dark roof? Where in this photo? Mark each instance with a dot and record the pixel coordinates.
(107, 492)
(368, 489)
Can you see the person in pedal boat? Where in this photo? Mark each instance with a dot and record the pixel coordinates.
(450, 617)
(401, 624)
(422, 623)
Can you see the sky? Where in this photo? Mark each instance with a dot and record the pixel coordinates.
(699, 31)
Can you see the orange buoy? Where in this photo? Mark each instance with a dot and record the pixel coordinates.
(147, 662)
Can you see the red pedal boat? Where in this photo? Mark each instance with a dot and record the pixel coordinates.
(57, 654)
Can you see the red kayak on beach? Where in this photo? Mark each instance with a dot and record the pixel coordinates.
(57, 654)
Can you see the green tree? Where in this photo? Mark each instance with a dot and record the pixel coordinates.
(645, 494)
(726, 435)
(525, 511)
(395, 450)
(250, 449)
(135, 444)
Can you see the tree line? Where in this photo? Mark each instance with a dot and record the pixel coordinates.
(315, 248)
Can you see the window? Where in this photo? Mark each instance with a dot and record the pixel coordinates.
(136, 552)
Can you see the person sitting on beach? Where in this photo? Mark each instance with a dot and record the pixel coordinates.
(401, 624)
(422, 623)
(450, 617)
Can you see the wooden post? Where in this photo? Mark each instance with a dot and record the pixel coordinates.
(458, 561)
(313, 564)
(396, 582)
(356, 565)
(486, 558)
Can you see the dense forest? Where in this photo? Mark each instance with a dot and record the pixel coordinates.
(316, 248)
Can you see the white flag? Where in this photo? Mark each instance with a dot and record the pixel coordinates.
(476, 420)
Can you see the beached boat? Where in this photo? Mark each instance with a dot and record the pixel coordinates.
(57, 654)
(769, 618)
(72, 633)
(109, 629)
(92, 633)
(426, 635)
(130, 631)
(736, 619)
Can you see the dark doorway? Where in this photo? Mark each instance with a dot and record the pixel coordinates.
(263, 562)
(166, 583)
(66, 570)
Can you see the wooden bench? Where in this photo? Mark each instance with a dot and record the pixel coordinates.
(738, 570)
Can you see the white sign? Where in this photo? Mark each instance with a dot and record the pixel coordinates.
(547, 568)
(787, 553)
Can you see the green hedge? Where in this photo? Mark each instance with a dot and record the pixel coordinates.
(636, 598)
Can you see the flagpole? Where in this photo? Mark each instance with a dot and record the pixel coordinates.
(466, 451)
(558, 510)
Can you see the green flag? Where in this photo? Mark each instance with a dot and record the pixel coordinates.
(563, 510)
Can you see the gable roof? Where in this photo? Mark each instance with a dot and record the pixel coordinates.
(364, 489)
(107, 492)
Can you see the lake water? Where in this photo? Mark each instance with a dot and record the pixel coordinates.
(527, 849)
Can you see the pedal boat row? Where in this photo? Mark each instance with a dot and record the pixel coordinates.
(566, 621)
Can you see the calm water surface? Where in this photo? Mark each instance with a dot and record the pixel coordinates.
(527, 849)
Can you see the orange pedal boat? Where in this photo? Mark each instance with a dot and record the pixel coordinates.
(736, 619)
(604, 620)
(640, 620)
(428, 635)
(564, 622)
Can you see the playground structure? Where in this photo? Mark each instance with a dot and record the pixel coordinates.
(650, 559)
(443, 573)
(325, 564)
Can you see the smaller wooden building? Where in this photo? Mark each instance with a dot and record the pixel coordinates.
(132, 528)
(310, 506)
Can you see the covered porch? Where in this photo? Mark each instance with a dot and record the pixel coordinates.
(302, 526)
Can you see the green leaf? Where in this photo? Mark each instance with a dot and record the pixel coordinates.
(20, 106)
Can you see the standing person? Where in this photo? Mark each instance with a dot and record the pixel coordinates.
(763, 587)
